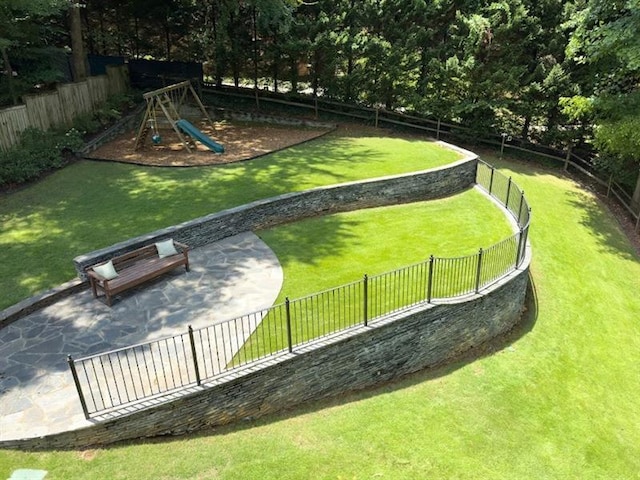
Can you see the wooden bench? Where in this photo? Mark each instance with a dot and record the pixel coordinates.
(136, 267)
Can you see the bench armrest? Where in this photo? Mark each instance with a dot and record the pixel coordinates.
(184, 247)
(93, 274)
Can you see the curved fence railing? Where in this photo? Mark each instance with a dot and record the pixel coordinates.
(114, 380)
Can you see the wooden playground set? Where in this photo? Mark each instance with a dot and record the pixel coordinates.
(177, 130)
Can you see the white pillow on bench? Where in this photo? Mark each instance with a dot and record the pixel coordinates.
(166, 248)
(106, 270)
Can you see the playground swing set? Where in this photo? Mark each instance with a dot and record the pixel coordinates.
(167, 102)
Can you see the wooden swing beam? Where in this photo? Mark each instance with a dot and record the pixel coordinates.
(160, 99)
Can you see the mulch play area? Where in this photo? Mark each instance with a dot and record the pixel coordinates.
(241, 141)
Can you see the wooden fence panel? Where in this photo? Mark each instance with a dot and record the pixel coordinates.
(59, 108)
(98, 89)
(75, 100)
(13, 121)
(118, 78)
(45, 110)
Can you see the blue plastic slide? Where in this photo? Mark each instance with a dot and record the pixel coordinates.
(188, 128)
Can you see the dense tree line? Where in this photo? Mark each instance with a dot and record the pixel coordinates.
(546, 70)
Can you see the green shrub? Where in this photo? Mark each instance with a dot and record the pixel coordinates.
(39, 151)
(36, 153)
(86, 123)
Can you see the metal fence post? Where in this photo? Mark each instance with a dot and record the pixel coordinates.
(491, 181)
(257, 100)
(76, 381)
(520, 207)
(519, 251)
(430, 279)
(193, 354)
(366, 299)
(438, 130)
(506, 200)
(315, 103)
(287, 306)
(609, 185)
(478, 270)
(377, 113)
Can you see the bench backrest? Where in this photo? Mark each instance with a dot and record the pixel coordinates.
(126, 260)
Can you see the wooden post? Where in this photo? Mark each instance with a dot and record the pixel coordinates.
(567, 159)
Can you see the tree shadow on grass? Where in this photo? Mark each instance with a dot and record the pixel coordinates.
(33, 349)
(91, 205)
(597, 217)
(599, 221)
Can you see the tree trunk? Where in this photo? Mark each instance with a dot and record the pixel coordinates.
(254, 18)
(167, 37)
(9, 73)
(77, 45)
(276, 62)
(635, 201)
(525, 128)
(293, 66)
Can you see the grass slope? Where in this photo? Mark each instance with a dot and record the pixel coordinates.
(91, 205)
(559, 402)
(332, 250)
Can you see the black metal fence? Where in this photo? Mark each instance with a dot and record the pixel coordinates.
(140, 373)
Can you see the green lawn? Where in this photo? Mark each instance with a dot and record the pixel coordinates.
(326, 252)
(90, 205)
(559, 401)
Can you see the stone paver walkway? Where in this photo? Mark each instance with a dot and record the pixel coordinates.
(228, 279)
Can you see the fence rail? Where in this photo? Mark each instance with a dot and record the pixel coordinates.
(570, 161)
(113, 380)
(59, 108)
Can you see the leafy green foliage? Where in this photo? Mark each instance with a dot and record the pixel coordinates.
(28, 60)
(105, 114)
(36, 153)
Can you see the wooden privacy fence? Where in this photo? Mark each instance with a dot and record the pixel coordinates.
(59, 108)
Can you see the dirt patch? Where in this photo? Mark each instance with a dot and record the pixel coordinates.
(240, 141)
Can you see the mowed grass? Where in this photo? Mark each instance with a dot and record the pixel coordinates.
(559, 401)
(90, 205)
(325, 252)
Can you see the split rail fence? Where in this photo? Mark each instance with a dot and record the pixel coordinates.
(569, 160)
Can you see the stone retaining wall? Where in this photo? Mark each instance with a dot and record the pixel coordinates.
(361, 358)
(427, 185)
